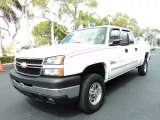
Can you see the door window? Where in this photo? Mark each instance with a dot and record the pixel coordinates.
(114, 35)
(131, 39)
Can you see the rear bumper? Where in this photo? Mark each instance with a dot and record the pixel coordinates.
(46, 87)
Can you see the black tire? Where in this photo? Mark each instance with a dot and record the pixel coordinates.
(88, 82)
(142, 70)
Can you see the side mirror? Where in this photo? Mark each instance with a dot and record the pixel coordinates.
(116, 41)
(124, 39)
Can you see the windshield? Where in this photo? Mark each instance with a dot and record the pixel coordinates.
(92, 35)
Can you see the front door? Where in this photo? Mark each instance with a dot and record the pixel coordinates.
(118, 55)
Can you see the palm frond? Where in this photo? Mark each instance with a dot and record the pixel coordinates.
(6, 7)
(17, 4)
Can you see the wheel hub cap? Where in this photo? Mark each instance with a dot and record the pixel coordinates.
(95, 93)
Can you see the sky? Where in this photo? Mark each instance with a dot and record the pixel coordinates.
(146, 12)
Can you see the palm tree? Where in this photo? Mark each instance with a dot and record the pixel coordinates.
(6, 7)
(0, 44)
(8, 15)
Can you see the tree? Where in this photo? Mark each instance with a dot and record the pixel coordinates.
(40, 3)
(150, 35)
(133, 25)
(1, 44)
(87, 19)
(2, 37)
(10, 18)
(42, 34)
(124, 20)
(158, 41)
(84, 19)
(101, 21)
(7, 15)
(48, 13)
(71, 8)
(121, 20)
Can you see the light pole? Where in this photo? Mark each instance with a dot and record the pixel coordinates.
(109, 18)
(88, 21)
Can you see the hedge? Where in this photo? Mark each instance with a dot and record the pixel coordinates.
(158, 41)
(7, 59)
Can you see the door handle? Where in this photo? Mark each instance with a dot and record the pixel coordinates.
(126, 50)
(136, 49)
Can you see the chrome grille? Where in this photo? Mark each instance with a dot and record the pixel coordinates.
(33, 66)
(30, 61)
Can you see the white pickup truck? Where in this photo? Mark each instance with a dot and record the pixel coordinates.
(77, 68)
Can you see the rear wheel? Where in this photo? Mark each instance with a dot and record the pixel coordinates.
(142, 70)
(92, 93)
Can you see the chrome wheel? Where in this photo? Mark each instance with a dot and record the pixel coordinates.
(95, 93)
(92, 93)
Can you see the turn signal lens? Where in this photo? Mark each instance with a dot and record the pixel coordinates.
(61, 72)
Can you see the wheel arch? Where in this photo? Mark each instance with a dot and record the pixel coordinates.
(147, 56)
(98, 68)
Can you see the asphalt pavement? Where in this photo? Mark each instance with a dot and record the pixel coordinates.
(128, 97)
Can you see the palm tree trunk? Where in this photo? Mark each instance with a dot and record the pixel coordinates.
(14, 46)
(0, 44)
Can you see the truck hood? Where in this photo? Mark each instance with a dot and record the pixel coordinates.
(60, 49)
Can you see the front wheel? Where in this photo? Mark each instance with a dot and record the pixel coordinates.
(142, 70)
(92, 93)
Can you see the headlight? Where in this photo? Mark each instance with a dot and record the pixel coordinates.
(50, 66)
(57, 60)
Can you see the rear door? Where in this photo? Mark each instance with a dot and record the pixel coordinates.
(133, 52)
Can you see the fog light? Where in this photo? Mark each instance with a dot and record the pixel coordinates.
(51, 100)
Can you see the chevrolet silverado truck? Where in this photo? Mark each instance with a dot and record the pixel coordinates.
(78, 67)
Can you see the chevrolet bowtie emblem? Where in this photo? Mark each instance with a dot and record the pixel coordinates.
(24, 65)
